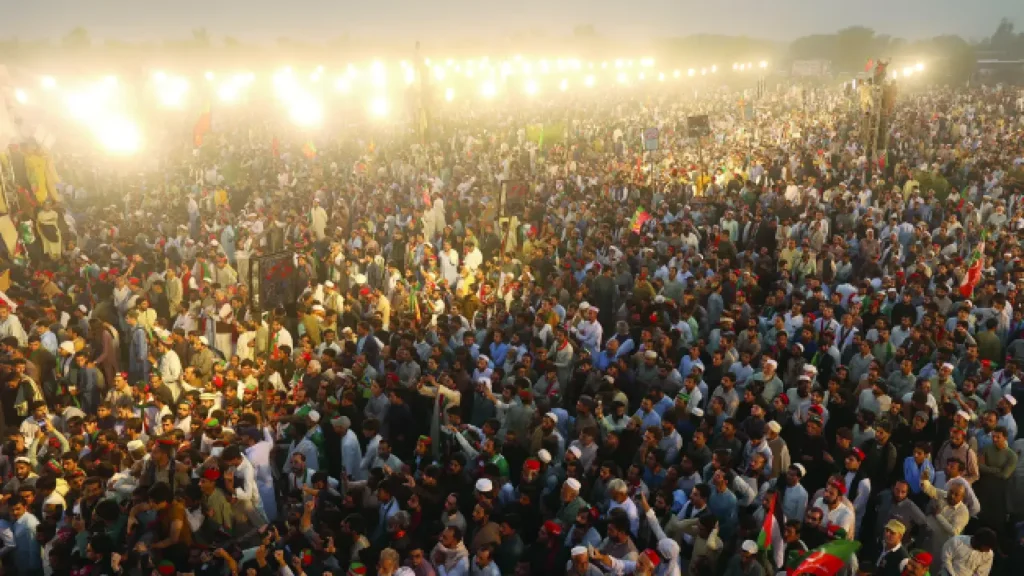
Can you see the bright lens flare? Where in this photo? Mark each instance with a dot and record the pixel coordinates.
(589, 81)
(379, 107)
(531, 87)
(306, 111)
(343, 85)
(488, 89)
(48, 82)
(449, 94)
(209, 76)
(919, 67)
(20, 96)
(564, 85)
(118, 135)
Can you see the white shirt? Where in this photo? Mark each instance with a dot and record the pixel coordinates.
(841, 516)
(959, 559)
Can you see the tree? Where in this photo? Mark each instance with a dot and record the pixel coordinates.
(201, 38)
(77, 39)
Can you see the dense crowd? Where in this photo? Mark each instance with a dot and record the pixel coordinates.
(704, 360)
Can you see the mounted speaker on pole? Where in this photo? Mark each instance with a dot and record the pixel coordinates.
(698, 126)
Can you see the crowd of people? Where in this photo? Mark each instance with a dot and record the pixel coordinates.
(703, 360)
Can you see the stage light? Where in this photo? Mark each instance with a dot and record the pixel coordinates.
(160, 76)
(691, 72)
(618, 63)
(661, 77)
(908, 71)
(703, 71)
(647, 62)
(410, 75)
(741, 67)
(209, 75)
(306, 111)
(314, 77)
(531, 87)
(48, 82)
(378, 74)
(118, 135)
(621, 78)
(343, 85)
(763, 64)
(172, 92)
(21, 96)
(488, 89)
(439, 72)
(379, 107)
(750, 66)
(604, 65)
(227, 92)
(404, 64)
(449, 94)
(919, 67)
(469, 73)
(641, 76)
(714, 68)
(629, 64)
(735, 66)
(518, 58)
(895, 74)
(589, 81)
(676, 74)
(564, 85)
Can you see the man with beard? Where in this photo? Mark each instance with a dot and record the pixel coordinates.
(812, 533)
(996, 464)
(834, 512)
(450, 556)
(809, 448)
(892, 504)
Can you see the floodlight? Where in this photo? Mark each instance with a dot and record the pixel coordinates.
(21, 96)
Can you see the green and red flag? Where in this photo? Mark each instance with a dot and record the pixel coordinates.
(203, 125)
(640, 217)
(764, 539)
(826, 560)
(973, 274)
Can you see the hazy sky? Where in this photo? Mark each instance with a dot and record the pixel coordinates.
(438, 19)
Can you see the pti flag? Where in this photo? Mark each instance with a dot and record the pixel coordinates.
(764, 539)
(640, 217)
(203, 125)
(973, 274)
(827, 560)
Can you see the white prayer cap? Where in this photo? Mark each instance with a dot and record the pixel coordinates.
(584, 306)
(83, 309)
(947, 366)
(578, 551)
(800, 467)
(68, 347)
(136, 445)
(772, 363)
(575, 451)
(573, 484)
(328, 284)
(552, 416)
(749, 546)
(360, 278)
(697, 412)
(659, 299)
(544, 456)
(204, 341)
(484, 485)
(774, 427)
(810, 368)
(313, 416)
(963, 414)
(318, 308)
(1010, 399)
(650, 354)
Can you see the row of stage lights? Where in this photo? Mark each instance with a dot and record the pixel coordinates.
(99, 104)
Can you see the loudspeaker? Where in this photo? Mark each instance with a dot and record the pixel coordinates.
(698, 126)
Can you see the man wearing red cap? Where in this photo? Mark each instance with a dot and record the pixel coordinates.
(215, 504)
(835, 513)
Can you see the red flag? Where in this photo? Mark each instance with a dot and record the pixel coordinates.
(203, 125)
(764, 539)
(827, 560)
(869, 65)
(973, 274)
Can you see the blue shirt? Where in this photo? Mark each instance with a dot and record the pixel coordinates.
(723, 506)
